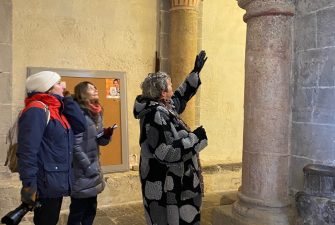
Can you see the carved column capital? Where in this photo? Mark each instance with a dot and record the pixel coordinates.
(184, 4)
(256, 8)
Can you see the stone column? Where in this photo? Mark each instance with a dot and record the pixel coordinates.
(183, 46)
(263, 198)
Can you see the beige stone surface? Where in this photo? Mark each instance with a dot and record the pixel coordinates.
(222, 90)
(94, 35)
(121, 36)
(104, 35)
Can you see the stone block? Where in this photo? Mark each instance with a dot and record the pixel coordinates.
(5, 88)
(6, 58)
(296, 179)
(302, 114)
(270, 34)
(263, 181)
(225, 215)
(324, 116)
(326, 70)
(314, 210)
(306, 67)
(165, 65)
(6, 118)
(303, 97)
(326, 27)
(5, 21)
(305, 32)
(302, 104)
(325, 98)
(313, 141)
(324, 106)
(307, 6)
(224, 177)
(3, 150)
(164, 46)
(164, 22)
(127, 185)
(165, 5)
(269, 130)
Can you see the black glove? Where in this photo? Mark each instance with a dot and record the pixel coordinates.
(199, 61)
(28, 196)
(108, 132)
(200, 133)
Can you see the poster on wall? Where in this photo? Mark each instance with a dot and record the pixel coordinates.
(112, 88)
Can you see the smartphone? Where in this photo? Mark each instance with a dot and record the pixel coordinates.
(102, 133)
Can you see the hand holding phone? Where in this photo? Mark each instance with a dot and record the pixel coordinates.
(107, 132)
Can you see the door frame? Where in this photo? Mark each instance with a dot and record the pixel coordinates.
(124, 166)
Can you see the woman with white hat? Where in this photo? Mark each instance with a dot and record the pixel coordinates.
(45, 145)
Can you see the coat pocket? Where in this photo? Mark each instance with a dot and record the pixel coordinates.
(56, 177)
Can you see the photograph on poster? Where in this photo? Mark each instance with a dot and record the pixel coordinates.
(112, 88)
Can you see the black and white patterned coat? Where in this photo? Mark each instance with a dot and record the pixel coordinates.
(169, 167)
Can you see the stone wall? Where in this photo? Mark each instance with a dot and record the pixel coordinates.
(313, 117)
(107, 35)
(222, 91)
(123, 36)
(90, 35)
(5, 72)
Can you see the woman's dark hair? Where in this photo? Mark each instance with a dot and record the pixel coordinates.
(82, 97)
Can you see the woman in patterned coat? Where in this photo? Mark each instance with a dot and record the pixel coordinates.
(169, 164)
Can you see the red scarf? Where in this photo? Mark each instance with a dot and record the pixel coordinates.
(54, 106)
(95, 108)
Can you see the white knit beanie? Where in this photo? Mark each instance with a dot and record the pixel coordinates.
(41, 81)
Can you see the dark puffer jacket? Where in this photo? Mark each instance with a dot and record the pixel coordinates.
(87, 175)
(45, 150)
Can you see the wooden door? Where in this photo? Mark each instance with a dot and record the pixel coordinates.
(112, 153)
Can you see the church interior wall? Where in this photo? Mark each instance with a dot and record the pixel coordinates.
(313, 109)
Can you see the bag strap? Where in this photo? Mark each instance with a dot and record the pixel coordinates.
(38, 105)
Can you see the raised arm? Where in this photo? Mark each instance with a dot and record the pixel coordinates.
(191, 84)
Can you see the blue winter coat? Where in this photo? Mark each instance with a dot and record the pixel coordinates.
(45, 149)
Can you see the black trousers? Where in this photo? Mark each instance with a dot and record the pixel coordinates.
(48, 213)
(82, 211)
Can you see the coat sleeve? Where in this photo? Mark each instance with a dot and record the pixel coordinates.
(81, 159)
(186, 91)
(74, 115)
(166, 144)
(102, 140)
(32, 124)
(79, 156)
